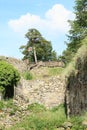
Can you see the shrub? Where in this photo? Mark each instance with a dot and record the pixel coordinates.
(2, 89)
(27, 75)
(9, 77)
(1, 105)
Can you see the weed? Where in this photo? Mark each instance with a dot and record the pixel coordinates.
(1, 105)
(36, 107)
(42, 119)
(27, 75)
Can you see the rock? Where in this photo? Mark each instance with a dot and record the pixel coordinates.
(20, 129)
(1, 127)
(60, 128)
(67, 125)
(84, 123)
(68, 128)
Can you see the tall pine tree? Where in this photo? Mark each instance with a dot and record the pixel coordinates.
(78, 29)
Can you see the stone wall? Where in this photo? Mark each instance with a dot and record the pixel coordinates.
(49, 92)
(76, 94)
(47, 64)
(54, 64)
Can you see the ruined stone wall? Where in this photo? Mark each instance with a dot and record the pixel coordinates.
(76, 95)
(54, 64)
(49, 92)
(47, 64)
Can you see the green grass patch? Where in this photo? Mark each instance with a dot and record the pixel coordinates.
(72, 66)
(77, 123)
(27, 75)
(36, 108)
(42, 119)
(5, 104)
(55, 71)
(1, 105)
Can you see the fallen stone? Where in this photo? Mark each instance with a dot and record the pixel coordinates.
(60, 128)
(84, 123)
(67, 125)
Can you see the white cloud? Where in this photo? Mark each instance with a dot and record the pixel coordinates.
(57, 17)
(55, 20)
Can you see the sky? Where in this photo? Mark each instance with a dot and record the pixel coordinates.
(49, 17)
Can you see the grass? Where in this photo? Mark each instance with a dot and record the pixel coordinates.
(45, 72)
(55, 71)
(41, 119)
(77, 123)
(35, 108)
(71, 67)
(5, 104)
(27, 75)
(1, 105)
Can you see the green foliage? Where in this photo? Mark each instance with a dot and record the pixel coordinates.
(77, 123)
(36, 108)
(81, 55)
(55, 71)
(43, 47)
(78, 30)
(42, 119)
(9, 76)
(27, 75)
(1, 105)
(58, 108)
(8, 104)
(2, 89)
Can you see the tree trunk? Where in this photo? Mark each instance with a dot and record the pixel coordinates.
(35, 57)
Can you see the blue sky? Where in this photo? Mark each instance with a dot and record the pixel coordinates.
(48, 16)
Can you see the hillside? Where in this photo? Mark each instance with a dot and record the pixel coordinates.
(39, 70)
(39, 98)
(18, 64)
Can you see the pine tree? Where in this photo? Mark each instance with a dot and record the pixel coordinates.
(78, 29)
(38, 45)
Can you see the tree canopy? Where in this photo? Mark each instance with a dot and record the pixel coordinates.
(78, 30)
(44, 50)
(9, 77)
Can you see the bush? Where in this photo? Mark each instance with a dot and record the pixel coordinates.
(27, 75)
(9, 77)
(1, 105)
(2, 89)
